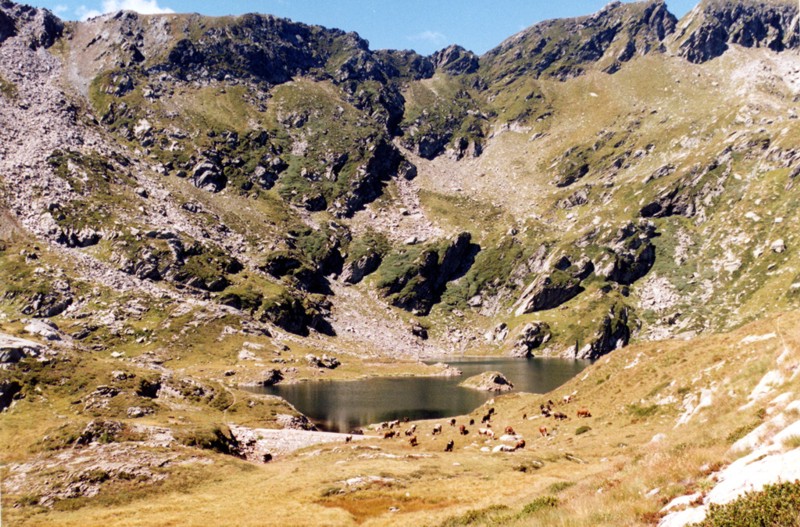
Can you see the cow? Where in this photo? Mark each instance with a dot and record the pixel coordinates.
(491, 411)
(406, 419)
(394, 423)
(390, 434)
(510, 431)
(560, 416)
(584, 412)
(520, 444)
(357, 432)
(567, 399)
(437, 429)
(410, 431)
(488, 432)
(413, 441)
(348, 439)
(486, 418)
(453, 422)
(524, 416)
(543, 431)
(449, 446)
(472, 422)
(463, 430)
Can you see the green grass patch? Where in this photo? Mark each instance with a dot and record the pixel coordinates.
(776, 505)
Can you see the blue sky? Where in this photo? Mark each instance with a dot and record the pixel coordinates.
(422, 25)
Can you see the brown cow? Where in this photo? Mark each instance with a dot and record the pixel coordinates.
(449, 446)
(471, 422)
(390, 434)
(543, 431)
(584, 412)
(463, 430)
(413, 441)
(510, 431)
(560, 416)
(347, 439)
(520, 444)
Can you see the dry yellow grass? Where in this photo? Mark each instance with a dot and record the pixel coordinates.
(603, 477)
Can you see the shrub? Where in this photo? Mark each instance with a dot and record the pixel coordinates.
(544, 502)
(215, 437)
(473, 517)
(582, 430)
(560, 486)
(638, 410)
(775, 505)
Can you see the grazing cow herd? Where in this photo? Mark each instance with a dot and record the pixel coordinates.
(547, 410)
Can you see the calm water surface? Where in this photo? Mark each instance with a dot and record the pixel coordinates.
(343, 406)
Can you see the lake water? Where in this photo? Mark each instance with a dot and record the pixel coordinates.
(343, 406)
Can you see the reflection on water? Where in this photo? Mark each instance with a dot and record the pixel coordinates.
(343, 406)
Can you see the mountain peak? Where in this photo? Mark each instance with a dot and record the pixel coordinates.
(711, 27)
(567, 47)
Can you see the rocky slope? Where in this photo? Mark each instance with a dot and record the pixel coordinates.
(204, 202)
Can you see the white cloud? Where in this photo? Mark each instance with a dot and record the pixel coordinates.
(84, 13)
(145, 7)
(431, 37)
(60, 9)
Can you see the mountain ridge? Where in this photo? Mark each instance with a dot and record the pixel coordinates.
(192, 205)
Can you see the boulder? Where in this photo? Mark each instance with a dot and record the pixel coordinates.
(43, 328)
(294, 422)
(488, 381)
(13, 350)
(354, 272)
(266, 378)
(419, 331)
(330, 363)
(498, 334)
(531, 337)
(207, 176)
(9, 391)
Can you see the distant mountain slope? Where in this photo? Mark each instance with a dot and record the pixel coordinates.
(587, 175)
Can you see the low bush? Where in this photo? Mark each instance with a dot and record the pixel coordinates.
(775, 505)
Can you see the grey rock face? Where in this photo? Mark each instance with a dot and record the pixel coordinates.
(614, 333)
(548, 292)
(531, 337)
(455, 60)
(354, 272)
(747, 23)
(13, 350)
(208, 176)
(631, 254)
